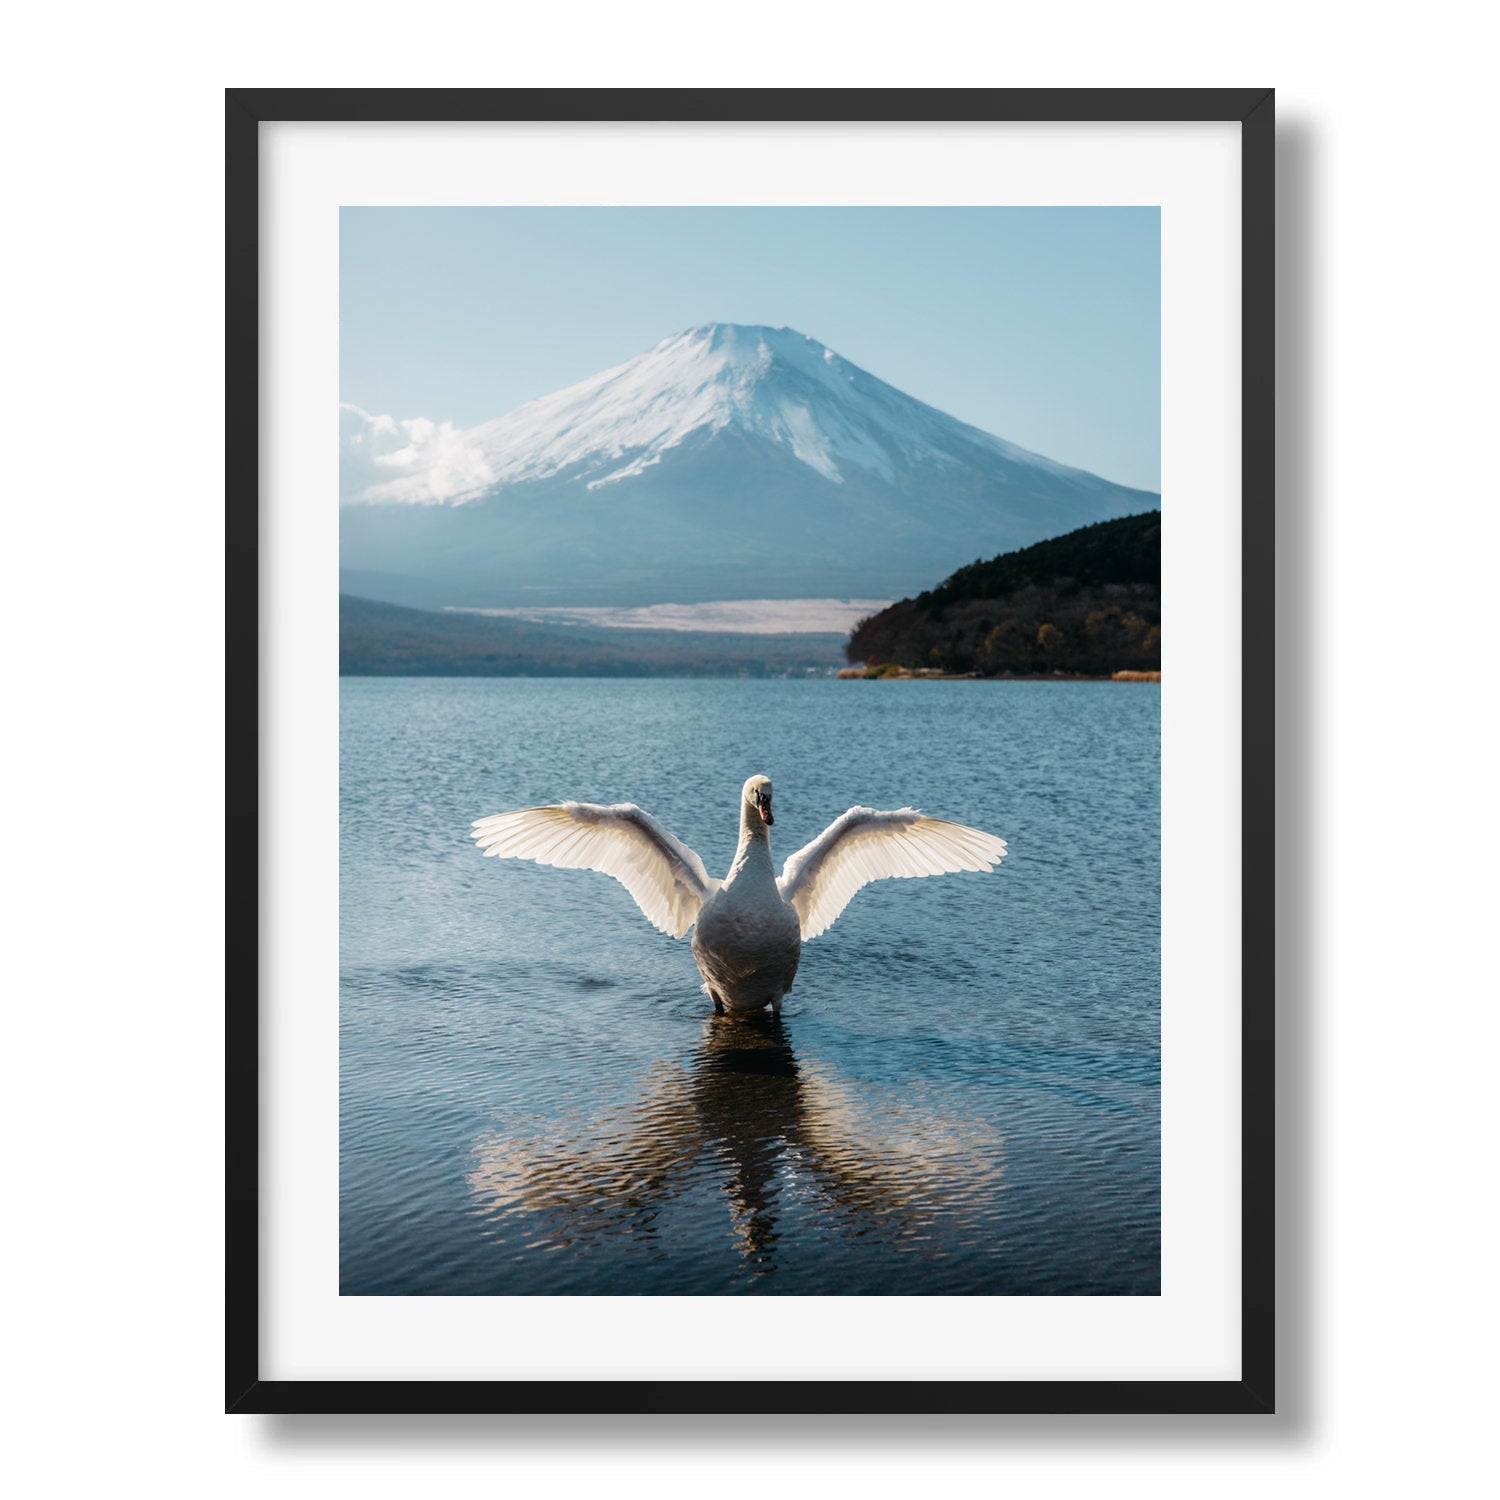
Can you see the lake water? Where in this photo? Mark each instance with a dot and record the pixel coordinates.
(962, 1095)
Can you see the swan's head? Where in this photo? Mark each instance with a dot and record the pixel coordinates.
(757, 795)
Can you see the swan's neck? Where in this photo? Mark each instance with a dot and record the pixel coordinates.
(754, 852)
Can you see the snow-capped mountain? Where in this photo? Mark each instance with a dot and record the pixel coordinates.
(727, 462)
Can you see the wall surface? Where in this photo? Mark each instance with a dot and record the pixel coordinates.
(1388, 811)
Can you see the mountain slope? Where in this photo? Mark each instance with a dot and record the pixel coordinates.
(727, 462)
(1088, 603)
(387, 640)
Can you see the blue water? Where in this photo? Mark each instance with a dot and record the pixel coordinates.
(962, 1095)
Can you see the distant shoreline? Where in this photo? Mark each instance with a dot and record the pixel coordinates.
(926, 674)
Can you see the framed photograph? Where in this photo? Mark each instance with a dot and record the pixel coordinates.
(755, 497)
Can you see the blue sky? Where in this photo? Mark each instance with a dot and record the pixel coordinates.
(1041, 325)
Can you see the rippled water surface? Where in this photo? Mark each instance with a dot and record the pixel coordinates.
(961, 1096)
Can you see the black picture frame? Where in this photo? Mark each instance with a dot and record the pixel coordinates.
(245, 110)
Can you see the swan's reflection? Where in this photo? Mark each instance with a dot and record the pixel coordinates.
(773, 1137)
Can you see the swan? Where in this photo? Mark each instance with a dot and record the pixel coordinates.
(749, 927)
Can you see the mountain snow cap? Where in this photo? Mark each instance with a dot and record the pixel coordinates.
(775, 385)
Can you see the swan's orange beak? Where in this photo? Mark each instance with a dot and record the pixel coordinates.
(763, 804)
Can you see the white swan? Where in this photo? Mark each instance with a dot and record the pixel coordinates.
(750, 926)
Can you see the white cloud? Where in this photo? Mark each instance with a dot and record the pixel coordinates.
(411, 460)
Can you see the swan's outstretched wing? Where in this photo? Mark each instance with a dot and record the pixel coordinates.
(866, 845)
(666, 878)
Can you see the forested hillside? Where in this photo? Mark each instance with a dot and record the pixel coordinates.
(1085, 604)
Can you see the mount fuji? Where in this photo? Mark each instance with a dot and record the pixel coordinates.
(728, 462)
